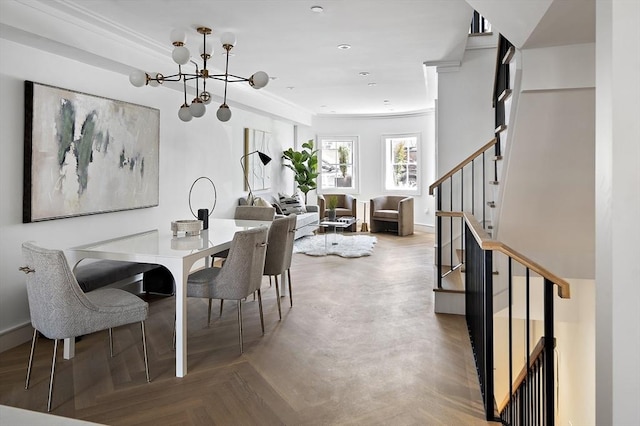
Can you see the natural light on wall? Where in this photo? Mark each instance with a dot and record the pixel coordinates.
(402, 163)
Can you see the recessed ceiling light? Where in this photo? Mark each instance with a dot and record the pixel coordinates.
(290, 87)
(344, 46)
(371, 84)
(364, 73)
(273, 78)
(323, 106)
(317, 9)
(386, 101)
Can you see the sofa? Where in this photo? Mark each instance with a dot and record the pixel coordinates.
(392, 213)
(307, 218)
(347, 206)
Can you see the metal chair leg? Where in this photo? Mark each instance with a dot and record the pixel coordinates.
(260, 305)
(53, 370)
(144, 347)
(34, 340)
(278, 296)
(111, 342)
(240, 323)
(290, 293)
(209, 314)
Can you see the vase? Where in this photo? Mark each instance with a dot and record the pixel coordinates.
(332, 215)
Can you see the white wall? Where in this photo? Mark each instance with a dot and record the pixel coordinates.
(617, 205)
(369, 131)
(202, 147)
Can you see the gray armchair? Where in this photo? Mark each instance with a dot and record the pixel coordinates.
(240, 275)
(347, 206)
(60, 309)
(279, 253)
(392, 213)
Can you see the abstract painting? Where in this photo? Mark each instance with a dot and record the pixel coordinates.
(258, 175)
(86, 154)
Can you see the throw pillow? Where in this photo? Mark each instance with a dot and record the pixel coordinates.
(278, 209)
(291, 204)
(261, 202)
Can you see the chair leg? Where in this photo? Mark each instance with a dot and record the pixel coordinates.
(144, 349)
(209, 314)
(240, 323)
(278, 296)
(221, 305)
(260, 306)
(53, 370)
(111, 342)
(290, 293)
(34, 340)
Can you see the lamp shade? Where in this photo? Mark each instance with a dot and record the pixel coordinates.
(184, 113)
(138, 78)
(264, 158)
(180, 55)
(177, 36)
(228, 39)
(259, 80)
(197, 108)
(224, 113)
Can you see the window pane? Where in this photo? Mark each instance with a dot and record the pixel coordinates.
(338, 163)
(401, 164)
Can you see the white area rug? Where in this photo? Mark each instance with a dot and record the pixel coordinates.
(346, 245)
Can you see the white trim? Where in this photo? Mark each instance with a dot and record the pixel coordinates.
(413, 192)
(15, 336)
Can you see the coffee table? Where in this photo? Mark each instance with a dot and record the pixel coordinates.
(341, 223)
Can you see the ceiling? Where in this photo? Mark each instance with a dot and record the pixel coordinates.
(390, 41)
(298, 48)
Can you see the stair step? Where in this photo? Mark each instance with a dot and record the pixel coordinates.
(497, 158)
(494, 182)
(501, 128)
(509, 55)
(504, 95)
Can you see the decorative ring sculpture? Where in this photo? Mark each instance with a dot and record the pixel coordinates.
(215, 195)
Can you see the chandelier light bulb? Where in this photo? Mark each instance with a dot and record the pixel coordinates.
(206, 50)
(178, 37)
(180, 55)
(224, 113)
(154, 79)
(197, 108)
(184, 113)
(228, 39)
(138, 78)
(259, 80)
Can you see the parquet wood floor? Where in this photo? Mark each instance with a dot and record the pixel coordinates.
(361, 346)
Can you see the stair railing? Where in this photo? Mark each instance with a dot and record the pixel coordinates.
(531, 400)
(455, 179)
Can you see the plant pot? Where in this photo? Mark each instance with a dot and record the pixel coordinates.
(332, 215)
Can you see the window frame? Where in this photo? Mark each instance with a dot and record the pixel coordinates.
(387, 167)
(355, 164)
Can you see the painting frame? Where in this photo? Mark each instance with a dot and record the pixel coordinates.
(257, 175)
(86, 154)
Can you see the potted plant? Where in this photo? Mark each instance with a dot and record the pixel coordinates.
(304, 165)
(332, 203)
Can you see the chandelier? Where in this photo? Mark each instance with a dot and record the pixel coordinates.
(182, 56)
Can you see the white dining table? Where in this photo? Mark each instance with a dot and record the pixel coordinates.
(177, 253)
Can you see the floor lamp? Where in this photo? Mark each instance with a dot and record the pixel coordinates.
(264, 158)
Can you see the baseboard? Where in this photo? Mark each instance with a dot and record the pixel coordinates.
(424, 228)
(16, 336)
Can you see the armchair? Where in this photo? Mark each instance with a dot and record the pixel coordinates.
(346, 207)
(390, 212)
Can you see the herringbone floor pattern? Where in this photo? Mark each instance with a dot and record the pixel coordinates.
(361, 346)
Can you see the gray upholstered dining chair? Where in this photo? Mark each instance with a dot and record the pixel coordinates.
(279, 253)
(245, 213)
(239, 276)
(60, 309)
(254, 213)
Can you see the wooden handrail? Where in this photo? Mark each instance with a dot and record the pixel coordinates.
(535, 354)
(487, 243)
(464, 162)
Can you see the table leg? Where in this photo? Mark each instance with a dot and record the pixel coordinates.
(181, 275)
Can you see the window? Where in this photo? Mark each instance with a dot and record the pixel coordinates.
(402, 163)
(339, 164)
